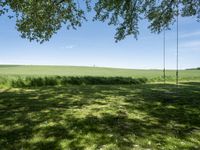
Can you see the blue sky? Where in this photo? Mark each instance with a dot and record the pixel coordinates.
(94, 44)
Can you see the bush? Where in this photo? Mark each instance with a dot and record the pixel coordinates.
(19, 82)
(89, 80)
(85, 80)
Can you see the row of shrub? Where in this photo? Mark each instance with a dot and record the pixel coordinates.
(86, 80)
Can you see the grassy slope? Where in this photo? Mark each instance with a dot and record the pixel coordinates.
(101, 117)
(93, 71)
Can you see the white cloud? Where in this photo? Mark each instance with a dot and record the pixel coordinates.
(69, 46)
(190, 44)
(186, 35)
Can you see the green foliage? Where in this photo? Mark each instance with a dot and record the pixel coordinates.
(87, 80)
(114, 117)
(39, 20)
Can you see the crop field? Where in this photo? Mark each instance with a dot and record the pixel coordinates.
(13, 71)
(61, 108)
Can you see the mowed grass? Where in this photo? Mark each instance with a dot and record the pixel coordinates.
(12, 71)
(118, 117)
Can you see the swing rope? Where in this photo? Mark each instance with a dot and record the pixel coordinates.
(164, 69)
(177, 48)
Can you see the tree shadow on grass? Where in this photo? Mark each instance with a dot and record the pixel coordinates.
(170, 103)
(101, 117)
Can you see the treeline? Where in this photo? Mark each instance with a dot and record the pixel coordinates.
(198, 68)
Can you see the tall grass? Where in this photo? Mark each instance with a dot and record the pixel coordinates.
(59, 80)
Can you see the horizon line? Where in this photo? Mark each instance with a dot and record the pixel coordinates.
(91, 66)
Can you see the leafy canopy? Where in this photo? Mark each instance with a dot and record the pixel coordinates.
(40, 19)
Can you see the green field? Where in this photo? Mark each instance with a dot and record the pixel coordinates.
(155, 75)
(149, 116)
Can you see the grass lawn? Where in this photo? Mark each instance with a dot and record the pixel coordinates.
(148, 116)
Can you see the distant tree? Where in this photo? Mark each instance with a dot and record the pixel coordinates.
(198, 68)
(40, 19)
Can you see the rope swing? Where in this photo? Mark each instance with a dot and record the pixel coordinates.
(177, 51)
(177, 48)
(164, 69)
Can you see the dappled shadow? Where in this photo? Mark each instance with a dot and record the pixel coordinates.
(101, 117)
(170, 103)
